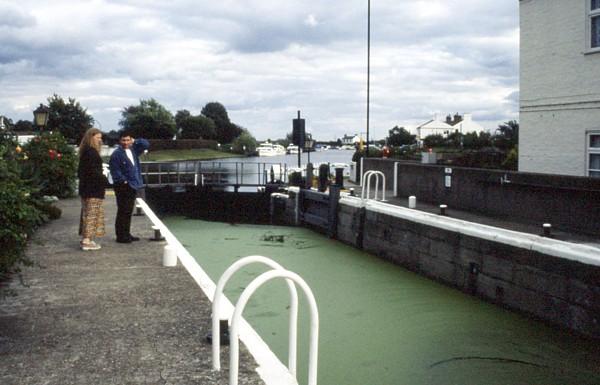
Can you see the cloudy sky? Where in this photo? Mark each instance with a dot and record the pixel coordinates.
(265, 59)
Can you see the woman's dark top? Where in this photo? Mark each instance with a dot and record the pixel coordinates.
(91, 180)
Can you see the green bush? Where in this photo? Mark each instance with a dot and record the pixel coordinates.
(295, 179)
(19, 214)
(512, 159)
(244, 144)
(373, 153)
(51, 211)
(52, 165)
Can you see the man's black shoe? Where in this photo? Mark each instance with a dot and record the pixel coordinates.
(126, 240)
(133, 239)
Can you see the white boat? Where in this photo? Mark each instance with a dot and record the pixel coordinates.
(292, 149)
(270, 149)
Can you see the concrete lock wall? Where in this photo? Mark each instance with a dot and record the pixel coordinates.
(561, 291)
(558, 290)
(567, 202)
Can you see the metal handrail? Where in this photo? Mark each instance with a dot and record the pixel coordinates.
(216, 310)
(367, 178)
(225, 173)
(239, 309)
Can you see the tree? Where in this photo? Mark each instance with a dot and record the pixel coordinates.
(149, 119)
(399, 136)
(194, 127)
(472, 140)
(245, 143)
(69, 118)
(435, 140)
(24, 125)
(507, 135)
(180, 116)
(226, 131)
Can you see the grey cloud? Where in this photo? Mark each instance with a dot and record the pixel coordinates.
(14, 17)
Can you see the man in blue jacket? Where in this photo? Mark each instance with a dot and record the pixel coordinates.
(127, 180)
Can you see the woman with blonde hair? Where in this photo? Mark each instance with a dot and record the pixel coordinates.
(92, 183)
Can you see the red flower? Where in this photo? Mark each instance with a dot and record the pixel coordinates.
(59, 156)
(52, 153)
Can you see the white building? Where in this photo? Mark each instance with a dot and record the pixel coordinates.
(350, 139)
(560, 87)
(467, 124)
(461, 123)
(433, 127)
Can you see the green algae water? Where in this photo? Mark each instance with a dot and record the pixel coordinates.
(381, 324)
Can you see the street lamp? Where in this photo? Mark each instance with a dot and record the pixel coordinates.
(308, 145)
(368, 69)
(40, 116)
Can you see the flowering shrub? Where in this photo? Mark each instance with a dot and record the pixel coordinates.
(19, 213)
(51, 165)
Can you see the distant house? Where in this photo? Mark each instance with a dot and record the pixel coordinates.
(466, 124)
(559, 123)
(461, 123)
(433, 127)
(350, 139)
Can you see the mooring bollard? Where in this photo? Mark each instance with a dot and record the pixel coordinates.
(157, 235)
(547, 230)
(351, 191)
(412, 202)
(169, 256)
(138, 210)
(443, 209)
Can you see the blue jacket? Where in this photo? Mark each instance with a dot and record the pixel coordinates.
(121, 168)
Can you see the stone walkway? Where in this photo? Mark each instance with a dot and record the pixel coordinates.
(113, 316)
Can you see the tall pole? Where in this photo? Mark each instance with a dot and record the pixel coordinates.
(300, 146)
(368, 69)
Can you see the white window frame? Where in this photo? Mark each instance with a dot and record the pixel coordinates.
(590, 150)
(591, 14)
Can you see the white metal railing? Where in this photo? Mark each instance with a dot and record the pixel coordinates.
(239, 309)
(217, 311)
(270, 368)
(366, 179)
(196, 172)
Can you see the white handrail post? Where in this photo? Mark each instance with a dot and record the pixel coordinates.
(383, 191)
(396, 178)
(216, 310)
(366, 181)
(239, 309)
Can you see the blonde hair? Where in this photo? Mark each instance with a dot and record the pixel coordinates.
(86, 141)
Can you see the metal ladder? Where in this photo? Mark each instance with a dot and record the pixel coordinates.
(366, 182)
(292, 279)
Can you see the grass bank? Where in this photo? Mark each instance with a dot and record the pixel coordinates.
(190, 154)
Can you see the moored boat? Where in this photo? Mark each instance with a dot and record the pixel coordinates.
(270, 149)
(292, 149)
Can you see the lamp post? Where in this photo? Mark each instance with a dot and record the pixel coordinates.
(308, 145)
(40, 116)
(368, 68)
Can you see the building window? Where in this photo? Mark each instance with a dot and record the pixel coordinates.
(594, 155)
(594, 23)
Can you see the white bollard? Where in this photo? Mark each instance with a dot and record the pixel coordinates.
(169, 256)
(412, 202)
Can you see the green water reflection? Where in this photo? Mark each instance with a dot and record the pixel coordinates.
(383, 325)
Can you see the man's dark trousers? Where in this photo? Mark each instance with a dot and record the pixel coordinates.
(125, 203)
